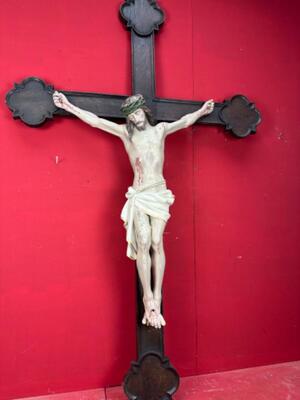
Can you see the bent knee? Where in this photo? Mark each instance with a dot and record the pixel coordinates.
(157, 244)
(144, 244)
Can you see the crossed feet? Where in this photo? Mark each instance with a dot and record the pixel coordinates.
(152, 315)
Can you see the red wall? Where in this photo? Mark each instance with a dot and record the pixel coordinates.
(67, 309)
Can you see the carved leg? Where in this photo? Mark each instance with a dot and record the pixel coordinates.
(158, 262)
(143, 237)
(152, 377)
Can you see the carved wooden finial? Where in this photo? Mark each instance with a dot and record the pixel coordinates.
(151, 378)
(240, 116)
(31, 100)
(143, 16)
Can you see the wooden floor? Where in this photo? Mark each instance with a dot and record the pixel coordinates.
(272, 382)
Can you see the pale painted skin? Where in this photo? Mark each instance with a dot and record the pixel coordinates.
(146, 154)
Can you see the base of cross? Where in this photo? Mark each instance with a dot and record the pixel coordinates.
(152, 377)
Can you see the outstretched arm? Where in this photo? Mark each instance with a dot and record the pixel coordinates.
(88, 117)
(189, 119)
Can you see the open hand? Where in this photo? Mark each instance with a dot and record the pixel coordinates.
(60, 100)
(208, 107)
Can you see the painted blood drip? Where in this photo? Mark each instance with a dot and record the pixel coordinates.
(139, 170)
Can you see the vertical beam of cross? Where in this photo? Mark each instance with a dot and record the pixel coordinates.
(143, 17)
(142, 49)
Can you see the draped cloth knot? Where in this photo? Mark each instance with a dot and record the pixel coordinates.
(153, 203)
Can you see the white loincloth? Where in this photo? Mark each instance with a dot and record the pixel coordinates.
(154, 204)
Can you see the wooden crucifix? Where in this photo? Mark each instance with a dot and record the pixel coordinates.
(152, 377)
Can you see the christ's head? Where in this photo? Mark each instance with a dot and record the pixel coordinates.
(138, 119)
(137, 113)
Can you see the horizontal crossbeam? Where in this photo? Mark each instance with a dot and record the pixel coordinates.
(103, 105)
(31, 101)
(237, 114)
(171, 110)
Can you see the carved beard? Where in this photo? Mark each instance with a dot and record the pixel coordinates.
(140, 126)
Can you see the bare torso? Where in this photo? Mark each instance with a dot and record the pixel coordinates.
(146, 154)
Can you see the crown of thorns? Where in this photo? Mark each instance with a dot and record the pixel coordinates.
(132, 103)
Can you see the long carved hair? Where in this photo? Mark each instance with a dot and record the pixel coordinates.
(149, 116)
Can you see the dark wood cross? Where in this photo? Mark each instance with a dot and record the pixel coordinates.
(152, 377)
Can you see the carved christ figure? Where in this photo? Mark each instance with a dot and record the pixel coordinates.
(146, 210)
